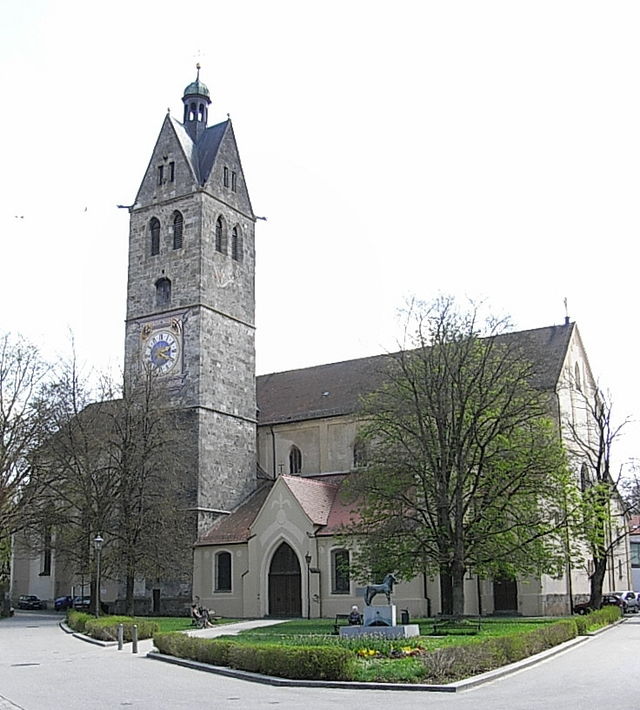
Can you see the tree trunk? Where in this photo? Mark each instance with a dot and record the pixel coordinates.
(457, 579)
(597, 581)
(446, 591)
(130, 609)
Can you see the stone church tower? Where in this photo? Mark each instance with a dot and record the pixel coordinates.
(190, 298)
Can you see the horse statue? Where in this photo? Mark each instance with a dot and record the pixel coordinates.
(386, 587)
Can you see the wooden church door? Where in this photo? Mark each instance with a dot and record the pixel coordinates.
(505, 596)
(285, 588)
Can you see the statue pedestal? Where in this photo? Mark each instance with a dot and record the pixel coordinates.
(380, 615)
(388, 632)
(380, 621)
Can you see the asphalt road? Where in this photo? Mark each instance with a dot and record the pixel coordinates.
(43, 668)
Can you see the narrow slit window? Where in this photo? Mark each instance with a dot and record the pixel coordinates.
(234, 181)
(225, 176)
(172, 172)
(160, 174)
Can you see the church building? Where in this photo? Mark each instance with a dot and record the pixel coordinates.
(267, 456)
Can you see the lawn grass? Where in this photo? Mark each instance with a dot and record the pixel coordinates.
(181, 623)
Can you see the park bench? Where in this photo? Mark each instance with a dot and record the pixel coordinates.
(341, 620)
(445, 626)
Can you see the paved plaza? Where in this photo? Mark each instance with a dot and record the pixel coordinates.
(43, 668)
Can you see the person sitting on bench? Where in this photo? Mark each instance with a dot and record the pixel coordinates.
(355, 618)
(200, 617)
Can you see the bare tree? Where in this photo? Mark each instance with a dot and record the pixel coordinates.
(465, 472)
(23, 423)
(592, 437)
(154, 530)
(115, 468)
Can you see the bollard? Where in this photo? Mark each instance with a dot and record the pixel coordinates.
(120, 636)
(134, 638)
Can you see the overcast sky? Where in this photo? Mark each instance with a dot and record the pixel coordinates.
(484, 149)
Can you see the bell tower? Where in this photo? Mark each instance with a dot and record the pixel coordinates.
(191, 298)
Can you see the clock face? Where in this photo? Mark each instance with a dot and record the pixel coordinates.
(162, 351)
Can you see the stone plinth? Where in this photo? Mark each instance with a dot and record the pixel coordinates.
(380, 615)
(389, 632)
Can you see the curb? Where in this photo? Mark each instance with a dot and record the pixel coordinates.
(82, 637)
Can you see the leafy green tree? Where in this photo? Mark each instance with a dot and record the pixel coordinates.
(465, 471)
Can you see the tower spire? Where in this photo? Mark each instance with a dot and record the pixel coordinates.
(196, 100)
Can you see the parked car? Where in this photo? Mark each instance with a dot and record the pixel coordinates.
(607, 600)
(30, 601)
(62, 603)
(631, 599)
(82, 603)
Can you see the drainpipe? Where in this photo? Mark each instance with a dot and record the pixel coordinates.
(273, 450)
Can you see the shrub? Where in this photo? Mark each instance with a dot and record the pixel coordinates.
(456, 662)
(105, 628)
(602, 617)
(308, 662)
(78, 619)
(174, 643)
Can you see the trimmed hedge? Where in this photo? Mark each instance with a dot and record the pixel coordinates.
(78, 619)
(456, 662)
(105, 628)
(596, 619)
(301, 662)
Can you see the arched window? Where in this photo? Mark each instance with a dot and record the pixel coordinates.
(295, 460)
(221, 237)
(178, 224)
(236, 244)
(340, 578)
(154, 227)
(163, 293)
(223, 572)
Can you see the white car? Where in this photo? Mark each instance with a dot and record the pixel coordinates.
(631, 599)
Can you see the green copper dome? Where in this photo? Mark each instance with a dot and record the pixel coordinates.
(197, 87)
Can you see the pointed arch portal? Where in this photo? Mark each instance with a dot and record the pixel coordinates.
(285, 598)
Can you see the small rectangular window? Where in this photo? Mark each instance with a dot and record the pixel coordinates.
(172, 172)
(234, 181)
(226, 176)
(160, 174)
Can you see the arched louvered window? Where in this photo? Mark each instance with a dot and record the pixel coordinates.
(221, 237)
(178, 224)
(163, 293)
(223, 572)
(154, 227)
(236, 244)
(295, 460)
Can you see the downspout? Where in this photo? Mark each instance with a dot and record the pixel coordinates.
(273, 450)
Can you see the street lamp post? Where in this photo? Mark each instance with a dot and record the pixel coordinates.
(97, 544)
(307, 559)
